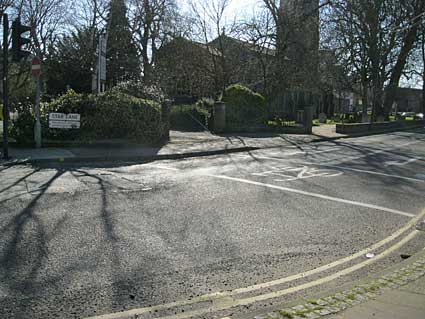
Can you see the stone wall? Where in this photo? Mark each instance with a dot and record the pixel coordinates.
(361, 128)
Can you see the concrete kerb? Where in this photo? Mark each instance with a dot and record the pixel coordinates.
(138, 158)
(175, 156)
(353, 294)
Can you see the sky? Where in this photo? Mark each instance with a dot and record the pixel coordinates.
(236, 8)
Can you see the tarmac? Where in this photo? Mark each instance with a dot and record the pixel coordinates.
(399, 293)
(181, 145)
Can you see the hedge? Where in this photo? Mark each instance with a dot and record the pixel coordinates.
(109, 115)
(244, 108)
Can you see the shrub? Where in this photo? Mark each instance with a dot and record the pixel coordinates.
(143, 91)
(244, 108)
(189, 117)
(109, 115)
(22, 128)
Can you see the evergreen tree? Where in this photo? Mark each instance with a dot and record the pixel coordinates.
(122, 57)
(69, 63)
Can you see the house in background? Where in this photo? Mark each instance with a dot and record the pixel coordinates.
(186, 68)
(408, 100)
(193, 69)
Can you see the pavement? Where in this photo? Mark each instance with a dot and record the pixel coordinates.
(231, 235)
(404, 302)
(399, 293)
(181, 144)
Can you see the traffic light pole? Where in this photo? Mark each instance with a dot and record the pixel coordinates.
(5, 87)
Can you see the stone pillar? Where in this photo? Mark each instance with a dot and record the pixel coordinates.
(219, 117)
(308, 119)
(165, 118)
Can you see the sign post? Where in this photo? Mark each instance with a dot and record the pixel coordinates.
(101, 74)
(36, 71)
(5, 86)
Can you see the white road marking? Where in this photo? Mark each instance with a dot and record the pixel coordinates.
(227, 302)
(351, 158)
(367, 172)
(302, 172)
(163, 167)
(396, 163)
(301, 192)
(309, 151)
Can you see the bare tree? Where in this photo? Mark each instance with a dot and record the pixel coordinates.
(152, 22)
(48, 19)
(212, 29)
(373, 40)
(260, 31)
(414, 14)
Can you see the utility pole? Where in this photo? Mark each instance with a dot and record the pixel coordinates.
(5, 87)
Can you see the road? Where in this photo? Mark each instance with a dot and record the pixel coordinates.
(162, 238)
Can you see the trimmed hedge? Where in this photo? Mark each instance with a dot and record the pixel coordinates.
(244, 108)
(108, 115)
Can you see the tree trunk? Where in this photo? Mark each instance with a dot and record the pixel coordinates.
(397, 72)
(365, 102)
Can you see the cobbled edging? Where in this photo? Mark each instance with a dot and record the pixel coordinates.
(317, 308)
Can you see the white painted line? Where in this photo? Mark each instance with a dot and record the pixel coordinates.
(395, 163)
(301, 192)
(366, 172)
(226, 295)
(226, 302)
(163, 167)
(308, 151)
(351, 158)
(346, 159)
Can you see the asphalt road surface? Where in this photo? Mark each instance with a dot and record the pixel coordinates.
(100, 238)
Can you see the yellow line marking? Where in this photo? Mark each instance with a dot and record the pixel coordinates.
(230, 301)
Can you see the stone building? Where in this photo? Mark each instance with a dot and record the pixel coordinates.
(299, 36)
(408, 100)
(189, 68)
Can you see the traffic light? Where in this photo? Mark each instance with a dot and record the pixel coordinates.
(18, 41)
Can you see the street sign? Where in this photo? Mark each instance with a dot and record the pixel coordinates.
(35, 67)
(102, 58)
(64, 121)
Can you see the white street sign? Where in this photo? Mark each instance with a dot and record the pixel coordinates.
(57, 116)
(73, 117)
(102, 58)
(64, 121)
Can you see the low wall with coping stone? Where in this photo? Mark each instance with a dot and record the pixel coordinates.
(359, 128)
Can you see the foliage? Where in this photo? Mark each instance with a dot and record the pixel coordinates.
(22, 128)
(244, 108)
(205, 103)
(138, 89)
(109, 115)
(123, 61)
(189, 117)
(70, 62)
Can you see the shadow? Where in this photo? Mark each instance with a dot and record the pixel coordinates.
(20, 180)
(27, 259)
